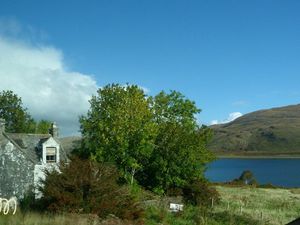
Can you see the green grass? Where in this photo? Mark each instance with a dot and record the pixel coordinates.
(270, 206)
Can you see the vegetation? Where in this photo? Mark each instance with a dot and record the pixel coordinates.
(83, 186)
(269, 206)
(180, 153)
(17, 119)
(153, 140)
(238, 206)
(266, 132)
(119, 128)
(151, 143)
(246, 178)
(201, 194)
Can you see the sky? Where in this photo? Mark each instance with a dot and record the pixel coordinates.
(231, 57)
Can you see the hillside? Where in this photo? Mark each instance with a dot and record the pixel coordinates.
(272, 131)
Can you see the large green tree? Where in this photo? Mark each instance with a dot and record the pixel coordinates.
(16, 116)
(180, 152)
(155, 140)
(17, 119)
(119, 128)
(42, 127)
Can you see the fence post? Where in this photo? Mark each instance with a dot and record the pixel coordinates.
(241, 207)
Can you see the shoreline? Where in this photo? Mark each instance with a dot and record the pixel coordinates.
(261, 155)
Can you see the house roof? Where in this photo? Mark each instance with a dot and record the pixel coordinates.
(30, 143)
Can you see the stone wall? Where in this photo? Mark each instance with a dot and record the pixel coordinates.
(16, 171)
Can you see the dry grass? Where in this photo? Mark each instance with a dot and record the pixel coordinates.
(67, 219)
(271, 206)
(39, 219)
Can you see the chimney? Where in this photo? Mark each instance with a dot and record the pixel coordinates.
(53, 130)
(2, 125)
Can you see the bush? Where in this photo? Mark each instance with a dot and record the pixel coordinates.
(199, 193)
(84, 186)
(174, 191)
(246, 178)
(28, 202)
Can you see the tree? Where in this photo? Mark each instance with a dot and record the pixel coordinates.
(42, 127)
(155, 140)
(247, 178)
(16, 116)
(180, 152)
(119, 128)
(17, 119)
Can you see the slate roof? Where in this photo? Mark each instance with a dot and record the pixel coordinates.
(31, 145)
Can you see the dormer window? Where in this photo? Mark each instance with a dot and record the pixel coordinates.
(50, 154)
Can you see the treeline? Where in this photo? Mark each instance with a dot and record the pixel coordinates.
(17, 119)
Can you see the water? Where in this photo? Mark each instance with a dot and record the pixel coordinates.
(280, 172)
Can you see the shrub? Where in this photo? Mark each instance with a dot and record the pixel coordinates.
(246, 178)
(28, 202)
(174, 191)
(200, 193)
(84, 186)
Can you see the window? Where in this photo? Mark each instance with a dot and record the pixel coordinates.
(50, 154)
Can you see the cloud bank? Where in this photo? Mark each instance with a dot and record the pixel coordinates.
(231, 117)
(39, 76)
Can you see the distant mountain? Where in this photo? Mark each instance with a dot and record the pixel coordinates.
(269, 131)
(70, 143)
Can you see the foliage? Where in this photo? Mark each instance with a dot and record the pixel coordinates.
(199, 193)
(42, 127)
(196, 215)
(155, 140)
(17, 119)
(16, 116)
(119, 128)
(260, 206)
(246, 178)
(28, 202)
(84, 186)
(180, 152)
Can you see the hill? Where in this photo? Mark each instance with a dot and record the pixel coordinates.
(268, 132)
(70, 143)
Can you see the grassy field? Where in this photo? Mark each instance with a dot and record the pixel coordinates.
(270, 206)
(238, 206)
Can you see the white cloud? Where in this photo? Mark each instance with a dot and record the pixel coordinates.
(214, 122)
(49, 91)
(230, 118)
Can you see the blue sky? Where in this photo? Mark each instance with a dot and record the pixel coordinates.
(228, 56)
